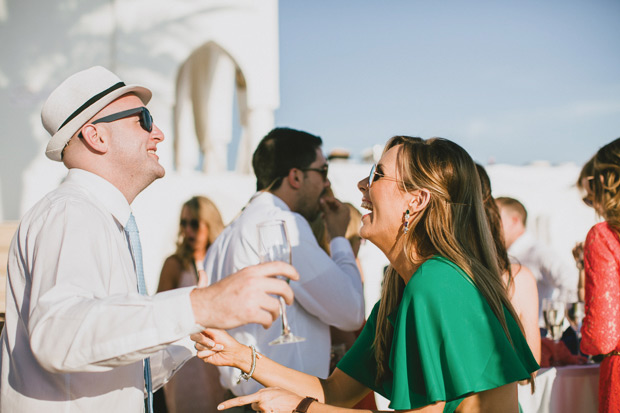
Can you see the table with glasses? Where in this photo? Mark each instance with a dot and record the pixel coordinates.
(564, 389)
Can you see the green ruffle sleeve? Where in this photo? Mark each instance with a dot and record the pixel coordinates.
(447, 343)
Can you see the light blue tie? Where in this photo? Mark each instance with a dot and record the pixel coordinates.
(136, 249)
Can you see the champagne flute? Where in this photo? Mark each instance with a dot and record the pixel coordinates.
(273, 245)
(575, 312)
(553, 312)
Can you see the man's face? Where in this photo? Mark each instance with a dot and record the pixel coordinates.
(132, 148)
(312, 188)
(511, 225)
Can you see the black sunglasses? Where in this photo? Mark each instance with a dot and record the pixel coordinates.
(146, 120)
(323, 171)
(374, 175)
(193, 223)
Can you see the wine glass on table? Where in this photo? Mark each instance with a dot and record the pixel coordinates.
(553, 312)
(273, 245)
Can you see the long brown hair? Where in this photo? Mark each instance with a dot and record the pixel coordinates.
(495, 222)
(204, 210)
(606, 183)
(453, 225)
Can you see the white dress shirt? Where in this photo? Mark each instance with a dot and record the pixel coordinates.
(329, 291)
(555, 277)
(76, 327)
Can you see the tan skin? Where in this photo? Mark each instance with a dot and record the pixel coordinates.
(524, 299)
(124, 154)
(339, 392)
(197, 239)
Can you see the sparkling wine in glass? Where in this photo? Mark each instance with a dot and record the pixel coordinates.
(553, 312)
(273, 245)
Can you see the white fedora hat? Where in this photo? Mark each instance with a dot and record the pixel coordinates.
(78, 99)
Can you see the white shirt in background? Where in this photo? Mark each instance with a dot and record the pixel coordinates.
(329, 291)
(555, 277)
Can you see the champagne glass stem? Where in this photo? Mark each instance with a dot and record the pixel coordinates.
(285, 327)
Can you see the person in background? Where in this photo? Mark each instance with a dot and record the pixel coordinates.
(519, 281)
(583, 184)
(291, 180)
(555, 277)
(601, 324)
(196, 386)
(200, 224)
(341, 340)
(81, 333)
(352, 233)
(444, 334)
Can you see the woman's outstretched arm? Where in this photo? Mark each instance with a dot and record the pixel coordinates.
(277, 400)
(218, 348)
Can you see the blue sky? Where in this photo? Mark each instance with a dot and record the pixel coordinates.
(510, 81)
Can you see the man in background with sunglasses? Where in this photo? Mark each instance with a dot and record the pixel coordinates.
(291, 180)
(81, 334)
(556, 278)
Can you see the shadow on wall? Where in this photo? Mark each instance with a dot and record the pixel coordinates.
(44, 48)
(50, 41)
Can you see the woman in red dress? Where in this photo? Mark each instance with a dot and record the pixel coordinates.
(601, 325)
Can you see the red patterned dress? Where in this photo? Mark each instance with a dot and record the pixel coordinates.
(601, 325)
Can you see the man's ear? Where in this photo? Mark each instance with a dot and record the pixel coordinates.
(294, 178)
(94, 138)
(420, 199)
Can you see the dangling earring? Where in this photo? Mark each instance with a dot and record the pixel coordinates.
(406, 221)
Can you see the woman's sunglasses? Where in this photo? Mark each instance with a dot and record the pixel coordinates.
(146, 120)
(192, 223)
(374, 175)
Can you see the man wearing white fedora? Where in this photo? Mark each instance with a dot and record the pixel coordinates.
(80, 333)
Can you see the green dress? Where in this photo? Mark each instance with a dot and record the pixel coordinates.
(447, 343)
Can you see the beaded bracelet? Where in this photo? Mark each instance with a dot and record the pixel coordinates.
(248, 376)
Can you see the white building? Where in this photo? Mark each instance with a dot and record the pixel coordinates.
(196, 56)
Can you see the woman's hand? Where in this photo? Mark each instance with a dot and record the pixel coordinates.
(269, 400)
(217, 347)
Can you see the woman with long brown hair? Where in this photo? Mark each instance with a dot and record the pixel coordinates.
(601, 325)
(199, 226)
(196, 386)
(444, 335)
(519, 280)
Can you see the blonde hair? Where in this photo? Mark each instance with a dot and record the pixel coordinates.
(586, 171)
(453, 225)
(204, 210)
(606, 183)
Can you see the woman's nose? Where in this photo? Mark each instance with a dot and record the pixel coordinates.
(363, 185)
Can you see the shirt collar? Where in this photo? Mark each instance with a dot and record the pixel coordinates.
(267, 198)
(106, 194)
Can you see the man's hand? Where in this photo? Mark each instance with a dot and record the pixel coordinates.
(247, 296)
(336, 216)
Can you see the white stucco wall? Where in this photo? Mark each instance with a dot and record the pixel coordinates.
(143, 41)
